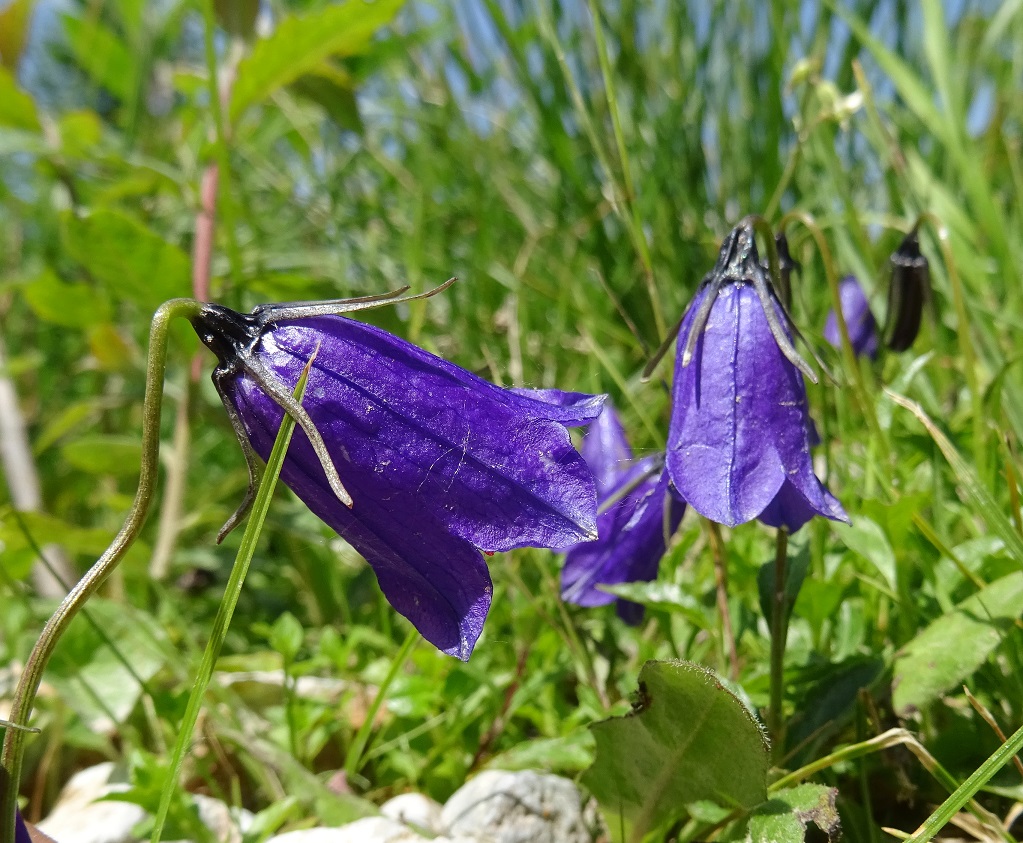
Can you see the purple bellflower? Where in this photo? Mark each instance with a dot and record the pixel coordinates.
(739, 436)
(638, 516)
(415, 462)
(858, 319)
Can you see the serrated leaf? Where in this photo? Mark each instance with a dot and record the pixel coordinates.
(67, 305)
(301, 43)
(102, 454)
(785, 817)
(955, 645)
(17, 108)
(130, 259)
(687, 740)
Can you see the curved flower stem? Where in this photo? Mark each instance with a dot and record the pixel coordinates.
(28, 684)
(779, 634)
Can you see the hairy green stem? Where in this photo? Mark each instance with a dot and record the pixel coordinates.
(28, 685)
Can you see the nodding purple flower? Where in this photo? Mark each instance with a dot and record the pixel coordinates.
(415, 462)
(638, 517)
(858, 319)
(738, 440)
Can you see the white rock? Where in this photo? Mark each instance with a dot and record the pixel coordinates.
(416, 810)
(366, 830)
(79, 818)
(518, 807)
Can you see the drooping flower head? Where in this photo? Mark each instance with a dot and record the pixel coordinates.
(908, 291)
(858, 319)
(738, 440)
(415, 462)
(638, 515)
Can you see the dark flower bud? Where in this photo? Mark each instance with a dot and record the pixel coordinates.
(909, 290)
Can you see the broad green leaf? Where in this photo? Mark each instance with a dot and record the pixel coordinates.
(868, 540)
(688, 739)
(43, 528)
(101, 674)
(14, 19)
(666, 596)
(569, 754)
(130, 259)
(17, 109)
(955, 645)
(102, 55)
(103, 454)
(335, 98)
(785, 816)
(286, 636)
(301, 43)
(67, 305)
(67, 421)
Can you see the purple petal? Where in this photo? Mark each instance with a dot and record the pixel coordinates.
(438, 581)
(21, 834)
(739, 420)
(569, 408)
(858, 319)
(633, 534)
(490, 465)
(606, 450)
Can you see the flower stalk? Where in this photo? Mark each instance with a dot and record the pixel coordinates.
(28, 685)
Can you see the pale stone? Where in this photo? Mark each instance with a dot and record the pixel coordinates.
(366, 830)
(518, 807)
(416, 810)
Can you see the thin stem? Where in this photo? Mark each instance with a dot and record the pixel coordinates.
(717, 546)
(779, 634)
(358, 748)
(220, 143)
(232, 591)
(21, 709)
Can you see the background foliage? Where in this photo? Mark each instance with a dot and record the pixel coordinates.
(575, 165)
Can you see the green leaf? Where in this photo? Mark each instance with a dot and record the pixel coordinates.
(688, 739)
(666, 596)
(17, 108)
(786, 815)
(67, 305)
(238, 17)
(45, 528)
(105, 454)
(130, 259)
(867, 539)
(955, 645)
(571, 754)
(301, 44)
(100, 674)
(286, 636)
(102, 55)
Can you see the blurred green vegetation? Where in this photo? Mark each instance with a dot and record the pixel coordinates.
(575, 165)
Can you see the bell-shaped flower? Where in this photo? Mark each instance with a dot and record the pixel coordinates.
(637, 518)
(858, 320)
(739, 440)
(21, 834)
(415, 462)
